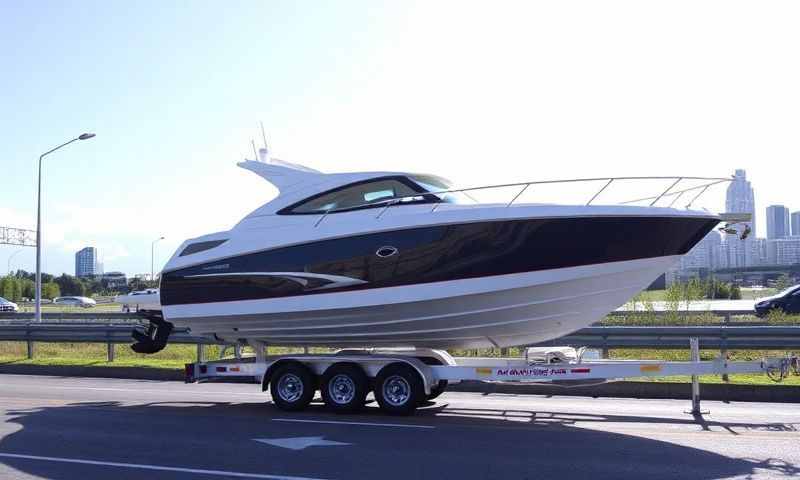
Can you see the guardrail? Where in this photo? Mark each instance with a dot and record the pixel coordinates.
(115, 328)
(711, 337)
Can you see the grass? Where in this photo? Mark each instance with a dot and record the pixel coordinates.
(50, 308)
(683, 355)
(747, 294)
(175, 356)
(95, 355)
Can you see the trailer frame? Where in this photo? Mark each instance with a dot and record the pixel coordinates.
(433, 367)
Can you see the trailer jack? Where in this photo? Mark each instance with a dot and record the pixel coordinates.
(154, 338)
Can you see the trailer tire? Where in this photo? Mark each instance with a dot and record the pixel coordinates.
(398, 389)
(292, 387)
(344, 388)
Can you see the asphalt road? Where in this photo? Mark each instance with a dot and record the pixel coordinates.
(70, 428)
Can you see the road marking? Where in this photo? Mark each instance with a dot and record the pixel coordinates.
(402, 425)
(155, 467)
(300, 443)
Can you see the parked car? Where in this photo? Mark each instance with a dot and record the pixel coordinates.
(8, 306)
(787, 301)
(85, 302)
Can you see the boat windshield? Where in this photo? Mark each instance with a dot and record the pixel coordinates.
(789, 290)
(432, 183)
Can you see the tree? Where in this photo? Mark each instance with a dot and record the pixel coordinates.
(693, 291)
(736, 292)
(50, 290)
(783, 282)
(70, 285)
(136, 284)
(28, 288)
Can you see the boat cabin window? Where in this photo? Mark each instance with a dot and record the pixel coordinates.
(361, 195)
(201, 247)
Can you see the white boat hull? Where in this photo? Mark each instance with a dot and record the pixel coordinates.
(502, 310)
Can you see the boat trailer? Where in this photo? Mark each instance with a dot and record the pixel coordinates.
(403, 379)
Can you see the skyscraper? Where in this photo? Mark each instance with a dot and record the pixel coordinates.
(86, 262)
(795, 223)
(740, 199)
(777, 222)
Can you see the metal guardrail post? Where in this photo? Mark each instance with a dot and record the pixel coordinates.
(726, 320)
(201, 352)
(694, 345)
(30, 349)
(110, 347)
(237, 351)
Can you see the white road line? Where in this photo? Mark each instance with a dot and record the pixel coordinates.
(155, 467)
(402, 425)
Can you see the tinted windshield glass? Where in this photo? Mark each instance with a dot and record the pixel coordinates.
(789, 290)
(359, 196)
(3, 300)
(432, 183)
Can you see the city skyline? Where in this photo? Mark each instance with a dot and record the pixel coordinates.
(371, 86)
(777, 222)
(780, 247)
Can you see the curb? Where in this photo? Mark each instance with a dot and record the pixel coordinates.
(128, 373)
(623, 389)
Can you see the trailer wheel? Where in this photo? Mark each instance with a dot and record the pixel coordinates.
(292, 387)
(398, 389)
(344, 388)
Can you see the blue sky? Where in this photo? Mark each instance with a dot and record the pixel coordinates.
(478, 92)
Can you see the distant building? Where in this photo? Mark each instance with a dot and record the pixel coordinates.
(787, 251)
(705, 254)
(114, 280)
(795, 221)
(86, 264)
(761, 256)
(739, 198)
(777, 222)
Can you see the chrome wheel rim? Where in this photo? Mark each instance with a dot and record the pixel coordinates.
(290, 388)
(342, 389)
(396, 391)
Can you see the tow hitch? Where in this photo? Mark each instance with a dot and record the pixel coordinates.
(155, 336)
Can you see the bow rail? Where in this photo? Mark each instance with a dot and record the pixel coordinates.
(669, 192)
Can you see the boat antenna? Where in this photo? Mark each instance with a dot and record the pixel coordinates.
(263, 152)
(254, 150)
(263, 135)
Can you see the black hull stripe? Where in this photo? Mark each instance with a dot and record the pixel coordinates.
(435, 254)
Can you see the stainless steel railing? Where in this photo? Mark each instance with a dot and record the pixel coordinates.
(525, 186)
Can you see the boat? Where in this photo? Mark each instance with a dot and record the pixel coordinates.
(392, 259)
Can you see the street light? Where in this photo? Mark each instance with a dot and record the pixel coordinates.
(152, 255)
(11, 257)
(83, 136)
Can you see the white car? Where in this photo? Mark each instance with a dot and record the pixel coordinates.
(8, 306)
(140, 300)
(85, 302)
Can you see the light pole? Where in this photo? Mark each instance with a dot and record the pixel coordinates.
(11, 257)
(152, 255)
(83, 136)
